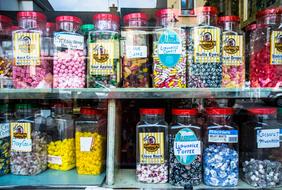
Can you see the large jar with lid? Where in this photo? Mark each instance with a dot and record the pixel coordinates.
(169, 51)
(69, 59)
(233, 52)
(205, 68)
(185, 148)
(260, 148)
(151, 156)
(28, 143)
(135, 51)
(5, 52)
(29, 68)
(221, 153)
(103, 49)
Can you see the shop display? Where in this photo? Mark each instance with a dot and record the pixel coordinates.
(28, 143)
(69, 64)
(205, 68)
(185, 148)
(152, 158)
(233, 53)
(103, 50)
(90, 142)
(221, 153)
(135, 51)
(169, 52)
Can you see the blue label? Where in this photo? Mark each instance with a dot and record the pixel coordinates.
(4, 130)
(223, 136)
(223, 132)
(169, 48)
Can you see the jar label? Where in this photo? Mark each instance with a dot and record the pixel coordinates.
(223, 136)
(169, 48)
(206, 45)
(136, 52)
(21, 137)
(68, 41)
(151, 146)
(186, 146)
(27, 48)
(268, 138)
(4, 130)
(55, 160)
(233, 50)
(276, 48)
(86, 144)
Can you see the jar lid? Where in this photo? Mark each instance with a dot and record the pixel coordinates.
(87, 27)
(193, 111)
(4, 18)
(88, 111)
(265, 12)
(206, 9)
(32, 14)
(279, 10)
(68, 19)
(220, 111)
(229, 19)
(50, 25)
(162, 12)
(262, 111)
(106, 16)
(152, 111)
(251, 27)
(127, 17)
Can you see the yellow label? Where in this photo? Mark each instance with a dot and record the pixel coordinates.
(26, 48)
(151, 148)
(233, 50)
(276, 48)
(21, 137)
(206, 45)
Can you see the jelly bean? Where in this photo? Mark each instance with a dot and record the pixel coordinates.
(4, 156)
(152, 173)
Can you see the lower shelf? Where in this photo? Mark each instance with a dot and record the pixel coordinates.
(125, 178)
(52, 179)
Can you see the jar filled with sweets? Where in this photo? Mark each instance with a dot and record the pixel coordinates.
(169, 51)
(28, 143)
(151, 156)
(103, 49)
(233, 52)
(5, 52)
(249, 50)
(260, 148)
(69, 59)
(185, 148)
(61, 147)
(221, 153)
(205, 68)
(29, 68)
(135, 51)
(90, 138)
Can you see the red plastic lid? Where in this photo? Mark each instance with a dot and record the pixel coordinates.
(206, 9)
(251, 27)
(4, 18)
(184, 112)
(162, 12)
(229, 19)
(106, 16)
(265, 12)
(88, 111)
(263, 111)
(134, 16)
(152, 111)
(68, 19)
(50, 25)
(220, 111)
(33, 14)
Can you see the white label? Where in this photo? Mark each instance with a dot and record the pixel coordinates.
(21, 145)
(169, 49)
(85, 144)
(4, 130)
(69, 41)
(187, 148)
(45, 113)
(268, 138)
(136, 51)
(55, 160)
(223, 136)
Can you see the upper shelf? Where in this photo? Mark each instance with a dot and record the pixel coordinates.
(139, 93)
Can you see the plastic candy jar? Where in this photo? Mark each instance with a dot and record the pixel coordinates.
(185, 148)
(103, 49)
(260, 148)
(221, 154)
(28, 143)
(249, 50)
(205, 69)
(90, 141)
(61, 148)
(69, 63)
(152, 158)
(85, 29)
(135, 51)
(169, 52)
(233, 53)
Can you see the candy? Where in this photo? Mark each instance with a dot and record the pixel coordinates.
(152, 173)
(4, 156)
(233, 76)
(5, 73)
